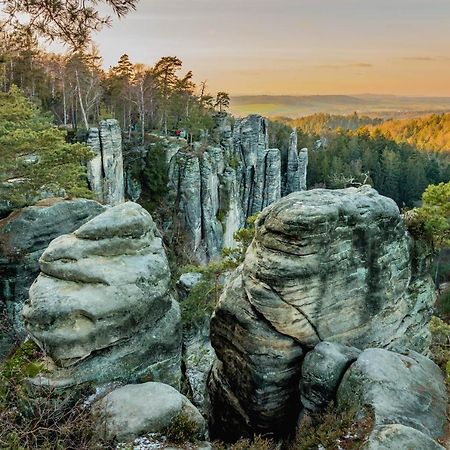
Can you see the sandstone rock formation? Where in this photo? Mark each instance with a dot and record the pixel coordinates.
(101, 307)
(324, 265)
(217, 188)
(322, 371)
(105, 170)
(407, 389)
(139, 409)
(24, 235)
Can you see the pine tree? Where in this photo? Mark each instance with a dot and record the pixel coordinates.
(34, 154)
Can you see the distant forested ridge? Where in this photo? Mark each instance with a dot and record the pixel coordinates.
(318, 123)
(430, 133)
(352, 150)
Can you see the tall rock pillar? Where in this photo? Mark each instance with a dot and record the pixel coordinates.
(105, 169)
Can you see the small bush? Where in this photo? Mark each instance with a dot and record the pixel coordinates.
(332, 430)
(199, 304)
(257, 443)
(440, 345)
(182, 429)
(49, 420)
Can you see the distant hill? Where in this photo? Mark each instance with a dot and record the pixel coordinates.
(318, 123)
(427, 133)
(384, 106)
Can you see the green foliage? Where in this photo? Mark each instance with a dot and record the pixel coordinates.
(199, 304)
(182, 429)
(440, 346)
(434, 214)
(203, 297)
(155, 176)
(346, 158)
(34, 155)
(233, 256)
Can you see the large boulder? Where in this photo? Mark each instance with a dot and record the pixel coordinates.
(324, 265)
(101, 307)
(322, 371)
(392, 437)
(400, 389)
(140, 409)
(24, 235)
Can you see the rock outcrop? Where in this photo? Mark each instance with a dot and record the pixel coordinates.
(217, 188)
(324, 265)
(139, 409)
(406, 390)
(101, 307)
(105, 169)
(24, 235)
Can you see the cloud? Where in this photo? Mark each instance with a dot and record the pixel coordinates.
(360, 64)
(345, 66)
(418, 58)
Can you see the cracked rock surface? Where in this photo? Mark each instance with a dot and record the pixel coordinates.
(101, 306)
(324, 265)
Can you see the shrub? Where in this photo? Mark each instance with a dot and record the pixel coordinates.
(332, 429)
(440, 345)
(257, 443)
(199, 304)
(182, 429)
(49, 420)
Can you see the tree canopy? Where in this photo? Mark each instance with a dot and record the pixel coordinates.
(34, 155)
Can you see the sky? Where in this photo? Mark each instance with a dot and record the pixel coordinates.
(293, 47)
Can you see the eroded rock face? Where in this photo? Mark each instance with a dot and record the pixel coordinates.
(324, 265)
(24, 235)
(101, 307)
(105, 169)
(218, 187)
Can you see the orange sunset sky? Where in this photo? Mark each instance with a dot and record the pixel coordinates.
(294, 46)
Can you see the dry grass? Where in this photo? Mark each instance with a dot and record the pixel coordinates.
(45, 420)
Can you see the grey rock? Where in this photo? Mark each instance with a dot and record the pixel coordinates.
(253, 384)
(187, 282)
(101, 307)
(24, 235)
(404, 389)
(399, 437)
(218, 187)
(322, 371)
(105, 170)
(296, 166)
(138, 409)
(303, 168)
(198, 358)
(324, 266)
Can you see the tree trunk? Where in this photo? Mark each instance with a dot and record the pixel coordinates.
(80, 98)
